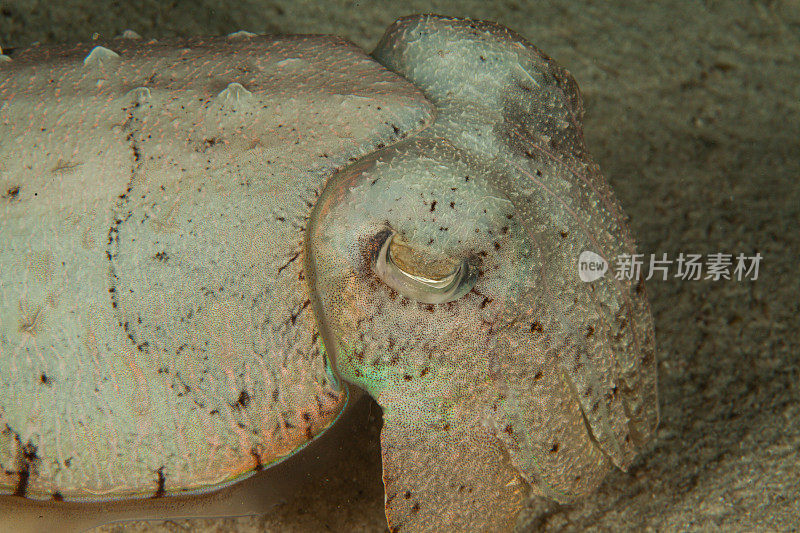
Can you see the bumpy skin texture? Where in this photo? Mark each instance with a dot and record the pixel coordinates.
(155, 330)
(533, 383)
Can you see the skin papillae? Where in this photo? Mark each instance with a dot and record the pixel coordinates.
(533, 383)
(193, 231)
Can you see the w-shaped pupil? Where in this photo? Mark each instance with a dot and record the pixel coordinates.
(398, 266)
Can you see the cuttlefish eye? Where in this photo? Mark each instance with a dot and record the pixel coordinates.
(402, 269)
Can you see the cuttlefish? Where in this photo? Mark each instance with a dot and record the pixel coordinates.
(210, 246)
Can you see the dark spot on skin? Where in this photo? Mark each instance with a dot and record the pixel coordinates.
(395, 129)
(11, 193)
(407, 377)
(286, 423)
(430, 308)
(162, 481)
(536, 327)
(257, 458)
(161, 257)
(43, 378)
(289, 262)
(243, 401)
(415, 508)
(58, 497)
(563, 234)
(509, 430)
(433, 206)
(293, 316)
(68, 462)
(22, 484)
(538, 375)
(27, 461)
(452, 205)
(554, 447)
(407, 495)
(589, 331)
(424, 372)
(331, 395)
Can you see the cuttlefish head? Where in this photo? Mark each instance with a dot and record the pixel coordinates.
(443, 272)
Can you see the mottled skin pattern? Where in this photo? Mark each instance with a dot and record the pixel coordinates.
(155, 334)
(533, 383)
(175, 268)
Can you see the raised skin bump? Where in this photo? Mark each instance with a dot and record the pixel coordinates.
(100, 57)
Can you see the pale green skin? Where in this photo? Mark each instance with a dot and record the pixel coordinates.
(527, 383)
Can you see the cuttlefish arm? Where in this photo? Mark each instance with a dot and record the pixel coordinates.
(444, 280)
